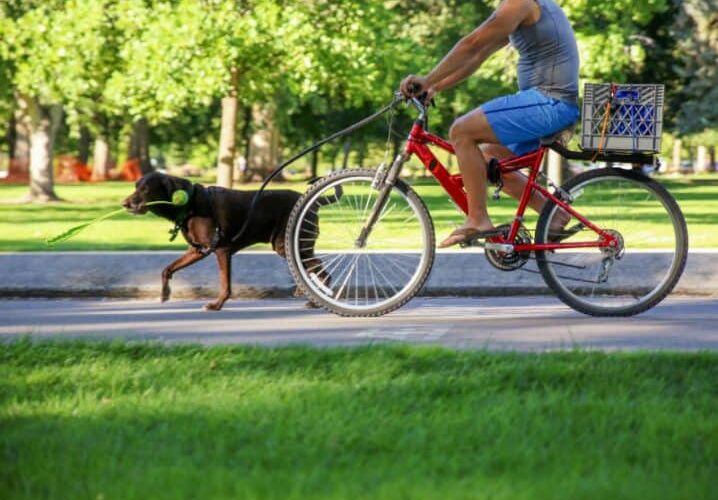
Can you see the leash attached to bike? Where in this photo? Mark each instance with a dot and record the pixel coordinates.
(398, 98)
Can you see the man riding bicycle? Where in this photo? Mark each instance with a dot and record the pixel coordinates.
(547, 101)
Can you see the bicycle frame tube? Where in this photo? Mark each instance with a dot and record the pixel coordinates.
(454, 186)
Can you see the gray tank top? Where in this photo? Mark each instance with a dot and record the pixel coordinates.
(548, 55)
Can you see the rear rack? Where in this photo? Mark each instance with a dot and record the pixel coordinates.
(604, 156)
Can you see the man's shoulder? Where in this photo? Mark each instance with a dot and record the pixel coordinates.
(520, 9)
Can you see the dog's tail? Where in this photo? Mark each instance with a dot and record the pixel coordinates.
(328, 200)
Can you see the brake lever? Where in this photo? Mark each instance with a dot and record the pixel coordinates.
(422, 99)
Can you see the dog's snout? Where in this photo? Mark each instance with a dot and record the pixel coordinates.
(133, 203)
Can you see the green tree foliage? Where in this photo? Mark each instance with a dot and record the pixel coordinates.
(62, 53)
(696, 34)
(320, 64)
(608, 34)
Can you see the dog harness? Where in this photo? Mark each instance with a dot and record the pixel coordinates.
(186, 213)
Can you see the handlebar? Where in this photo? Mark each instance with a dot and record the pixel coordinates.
(418, 103)
(419, 100)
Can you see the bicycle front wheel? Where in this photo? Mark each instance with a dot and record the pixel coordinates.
(339, 269)
(650, 257)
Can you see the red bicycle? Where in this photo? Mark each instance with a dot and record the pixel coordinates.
(626, 250)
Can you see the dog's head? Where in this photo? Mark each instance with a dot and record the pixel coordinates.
(155, 187)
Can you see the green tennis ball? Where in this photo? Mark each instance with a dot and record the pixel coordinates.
(180, 197)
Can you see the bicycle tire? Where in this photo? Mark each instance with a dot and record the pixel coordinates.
(665, 287)
(309, 288)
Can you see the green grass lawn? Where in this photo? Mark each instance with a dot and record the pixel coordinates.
(24, 227)
(98, 420)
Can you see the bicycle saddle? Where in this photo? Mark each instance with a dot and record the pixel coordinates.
(562, 137)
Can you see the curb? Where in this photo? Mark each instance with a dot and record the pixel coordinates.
(262, 274)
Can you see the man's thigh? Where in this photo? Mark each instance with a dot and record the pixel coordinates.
(475, 126)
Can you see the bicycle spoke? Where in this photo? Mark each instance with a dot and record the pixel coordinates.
(619, 279)
(386, 269)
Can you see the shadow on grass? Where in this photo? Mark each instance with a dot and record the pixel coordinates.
(138, 421)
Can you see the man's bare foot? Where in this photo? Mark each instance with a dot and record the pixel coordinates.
(466, 234)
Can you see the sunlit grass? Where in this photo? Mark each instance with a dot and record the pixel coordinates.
(24, 227)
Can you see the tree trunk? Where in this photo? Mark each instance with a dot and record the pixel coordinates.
(102, 162)
(227, 135)
(347, 149)
(11, 136)
(315, 164)
(701, 164)
(713, 166)
(676, 161)
(264, 151)
(83, 146)
(361, 156)
(44, 122)
(139, 148)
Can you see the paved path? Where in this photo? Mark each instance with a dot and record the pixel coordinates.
(134, 275)
(527, 323)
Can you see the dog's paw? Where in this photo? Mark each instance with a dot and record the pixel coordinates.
(213, 306)
(311, 305)
(166, 291)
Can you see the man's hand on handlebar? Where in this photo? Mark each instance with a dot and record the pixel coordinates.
(416, 86)
(412, 86)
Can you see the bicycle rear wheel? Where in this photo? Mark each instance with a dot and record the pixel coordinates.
(653, 244)
(334, 269)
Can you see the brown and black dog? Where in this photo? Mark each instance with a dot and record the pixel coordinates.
(211, 219)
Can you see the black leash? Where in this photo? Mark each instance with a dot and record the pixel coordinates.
(397, 99)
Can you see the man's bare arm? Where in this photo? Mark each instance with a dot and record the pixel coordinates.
(494, 30)
(469, 68)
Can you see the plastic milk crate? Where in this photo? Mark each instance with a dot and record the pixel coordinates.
(622, 117)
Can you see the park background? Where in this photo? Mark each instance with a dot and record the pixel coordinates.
(229, 88)
(222, 91)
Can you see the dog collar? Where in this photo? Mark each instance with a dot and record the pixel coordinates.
(184, 214)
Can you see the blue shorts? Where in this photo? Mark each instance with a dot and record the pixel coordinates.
(520, 120)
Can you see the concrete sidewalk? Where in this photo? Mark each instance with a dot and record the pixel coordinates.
(264, 274)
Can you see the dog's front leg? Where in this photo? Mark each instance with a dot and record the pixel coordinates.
(190, 257)
(224, 262)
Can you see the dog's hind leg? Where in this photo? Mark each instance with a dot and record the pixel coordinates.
(224, 262)
(190, 257)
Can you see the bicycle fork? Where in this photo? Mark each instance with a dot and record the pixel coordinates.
(383, 181)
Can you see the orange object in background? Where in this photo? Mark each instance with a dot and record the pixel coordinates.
(130, 171)
(18, 172)
(69, 169)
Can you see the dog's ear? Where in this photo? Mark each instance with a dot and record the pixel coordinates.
(170, 185)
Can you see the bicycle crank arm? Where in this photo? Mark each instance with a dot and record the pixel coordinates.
(498, 247)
